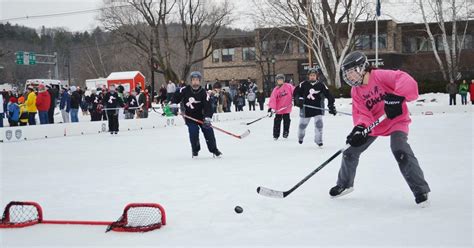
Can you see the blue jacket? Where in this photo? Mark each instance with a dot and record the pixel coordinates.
(65, 102)
(13, 111)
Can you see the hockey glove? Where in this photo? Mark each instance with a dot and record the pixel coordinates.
(270, 112)
(207, 122)
(299, 102)
(357, 137)
(393, 105)
(332, 110)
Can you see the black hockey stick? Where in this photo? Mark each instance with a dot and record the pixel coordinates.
(325, 109)
(263, 117)
(282, 194)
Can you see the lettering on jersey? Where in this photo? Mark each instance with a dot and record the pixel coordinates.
(190, 102)
(373, 97)
(311, 94)
(282, 94)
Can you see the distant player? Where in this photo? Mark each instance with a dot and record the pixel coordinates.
(376, 92)
(281, 103)
(112, 103)
(196, 104)
(309, 97)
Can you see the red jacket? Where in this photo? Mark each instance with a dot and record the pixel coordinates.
(43, 101)
(471, 91)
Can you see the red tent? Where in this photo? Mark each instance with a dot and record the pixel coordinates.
(128, 79)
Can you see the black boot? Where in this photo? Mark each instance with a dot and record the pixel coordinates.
(195, 154)
(217, 153)
(422, 199)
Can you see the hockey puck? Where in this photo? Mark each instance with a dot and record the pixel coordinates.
(238, 209)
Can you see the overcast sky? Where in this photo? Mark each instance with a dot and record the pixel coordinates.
(400, 10)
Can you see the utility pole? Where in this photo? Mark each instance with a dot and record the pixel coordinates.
(310, 33)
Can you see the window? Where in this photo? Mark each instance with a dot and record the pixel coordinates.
(283, 47)
(227, 54)
(215, 56)
(409, 45)
(468, 42)
(302, 48)
(367, 42)
(248, 53)
(362, 42)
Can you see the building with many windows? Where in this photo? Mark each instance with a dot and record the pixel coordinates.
(267, 52)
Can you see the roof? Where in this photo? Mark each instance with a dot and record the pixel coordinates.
(123, 75)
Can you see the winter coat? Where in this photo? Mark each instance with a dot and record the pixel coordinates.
(144, 100)
(261, 97)
(53, 96)
(43, 101)
(13, 111)
(132, 103)
(368, 104)
(471, 91)
(1, 104)
(65, 102)
(463, 89)
(23, 114)
(171, 88)
(112, 100)
(75, 100)
(239, 100)
(282, 97)
(31, 103)
(251, 96)
(452, 89)
(196, 102)
(252, 88)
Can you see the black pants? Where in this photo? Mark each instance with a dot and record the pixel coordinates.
(251, 105)
(51, 116)
(193, 129)
(31, 118)
(112, 116)
(452, 99)
(96, 115)
(277, 125)
(261, 105)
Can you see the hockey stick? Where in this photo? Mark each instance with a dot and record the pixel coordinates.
(263, 117)
(325, 109)
(245, 134)
(282, 194)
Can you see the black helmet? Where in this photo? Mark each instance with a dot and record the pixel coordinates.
(356, 61)
(316, 70)
(196, 74)
(280, 76)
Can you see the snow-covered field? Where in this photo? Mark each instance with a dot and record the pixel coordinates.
(93, 177)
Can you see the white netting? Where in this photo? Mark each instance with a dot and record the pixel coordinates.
(139, 219)
(20, 213)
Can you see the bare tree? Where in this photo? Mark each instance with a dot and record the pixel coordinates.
(452, 38)
(326, 27)
(146, 24)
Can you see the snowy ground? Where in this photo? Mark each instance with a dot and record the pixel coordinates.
(93, 177)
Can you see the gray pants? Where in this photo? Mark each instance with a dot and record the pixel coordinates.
(318, 128)
(65, 116)
(406, 160)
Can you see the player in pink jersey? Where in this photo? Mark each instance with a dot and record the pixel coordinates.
(376, 92)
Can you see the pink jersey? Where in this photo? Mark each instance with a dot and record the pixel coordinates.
(368, 104)
(282, 97)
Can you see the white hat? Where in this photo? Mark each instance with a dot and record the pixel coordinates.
(73, 88)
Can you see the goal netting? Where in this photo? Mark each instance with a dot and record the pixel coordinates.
(140, 217)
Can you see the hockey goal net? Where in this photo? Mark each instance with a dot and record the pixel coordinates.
(136, 217)
(21, 214)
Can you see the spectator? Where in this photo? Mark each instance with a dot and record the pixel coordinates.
(233, 87)
(144, 102)
(463, 89)
(95, 105)
(23, 112)
(243, 87)
(31, 106)
(471, 91)
(252, 87)
(213, 100)
(240, 102)
(162, 94)
(261, 99)
(75, 103)
(208, 86)
(1, 110)
(101, 97)
(452, 91)
(170, 90)
(131, 106)
(43, 102)
(228, 100)
(251, 97)
(13, 112)
(182, 84)
(65, 104)
(4, 103)
(52, 107)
